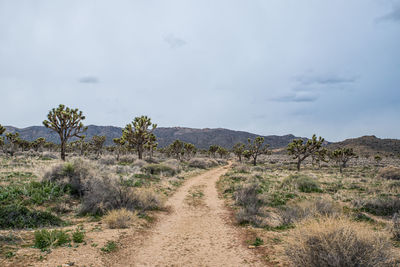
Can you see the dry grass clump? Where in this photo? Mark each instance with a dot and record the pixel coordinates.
(107, 160)
(302, 183)
(139, 163)
(120, 218)
(337, 242)
(160, 169)
(309, 209)
(396, 226)
(389, 173)
(202, 163)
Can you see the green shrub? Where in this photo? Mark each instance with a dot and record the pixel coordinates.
(45, 239)
(110, 246)
(78, 236)
(19, 217)
(75, 174)
(31, 193)
(380, 206)
(302, 183)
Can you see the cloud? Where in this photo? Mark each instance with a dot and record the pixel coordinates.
(173, 41)
(89, 79)
(297, 97)
(394, 15)
(324, 79)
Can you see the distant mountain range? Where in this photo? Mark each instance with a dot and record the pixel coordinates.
(370, 144)
(203, 138)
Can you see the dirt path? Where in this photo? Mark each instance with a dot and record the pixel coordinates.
(194, 233)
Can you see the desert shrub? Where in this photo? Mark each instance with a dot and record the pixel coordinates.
(105, 194)
(48, 239)
(107, 160)
(389, 173)
(396, 226)
(121, 218)
(247, 196)
(221, 161)
(301, 182)
(139, 163)
(202, 163)
(337, 242)
(309, 209)
(127, 159)
(78, 236)
(48, 156)
(159, 169)
(241, 168)
(75, 174)
(174, 163)
(19, 217)
(379, 206)
(31, 193)
(109, 247)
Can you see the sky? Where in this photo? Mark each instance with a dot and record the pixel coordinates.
(264, 66)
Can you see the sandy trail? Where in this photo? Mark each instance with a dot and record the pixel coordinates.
(190, 235)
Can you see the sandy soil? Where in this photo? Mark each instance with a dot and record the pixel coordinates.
(188, 235)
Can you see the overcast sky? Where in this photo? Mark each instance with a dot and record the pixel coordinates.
(264, 66)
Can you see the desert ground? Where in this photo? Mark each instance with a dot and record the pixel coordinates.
(200, 212)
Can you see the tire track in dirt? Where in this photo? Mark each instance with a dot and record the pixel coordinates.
(190, 235)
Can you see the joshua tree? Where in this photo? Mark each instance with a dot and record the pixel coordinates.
(377, 158)
(238, 150)
(176, 149)
(67, 122)
(2, 130)
(301, 150)
(38, 143)
(256, 148)
(137, 134)
(97, 144)
(13, 140)
(342, 156)
(151, 145)
(189, 150)
(212, 150)
(119, 142)
(319, 156)
(222, 152)
(24, 144)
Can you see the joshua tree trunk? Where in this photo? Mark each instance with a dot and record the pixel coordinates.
(63, 150)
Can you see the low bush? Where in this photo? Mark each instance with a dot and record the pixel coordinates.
(379, 206)
(337, 242)
(302, 183)
(19, 217)
(309, 209)
(78, 236)
(396, 226)
(75, 174)
(45, 239)
(202, 163)
(159, 169)
(31, 193)
(109, 247)
(247, 196)
(105, 194)
(121, 218)
(389, 173)
(107, 160)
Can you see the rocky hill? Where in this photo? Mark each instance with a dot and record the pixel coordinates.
(370, 145)
(201, 138)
